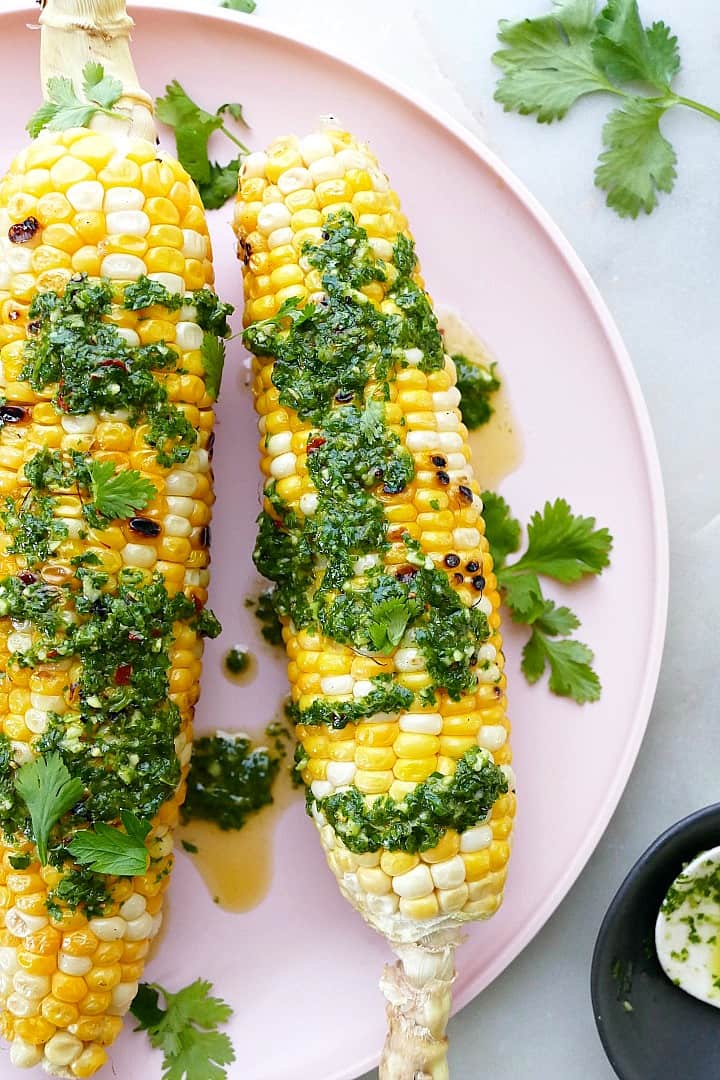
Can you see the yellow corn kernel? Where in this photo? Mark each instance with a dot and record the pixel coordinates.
(36, 965)
(69, 988)
(59, 1013)
(377, 734)
(91, 1059)
(416, 771)
(445, 848)
(96, 1003)
(422, 907)
(398, 862)
(374, 757)
(477, 864)
(36, 1030)
(412, 745)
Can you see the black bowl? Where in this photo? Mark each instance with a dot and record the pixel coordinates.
(650, 1029)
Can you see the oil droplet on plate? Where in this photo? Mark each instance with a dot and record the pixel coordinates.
(237, 865)
(496, 447)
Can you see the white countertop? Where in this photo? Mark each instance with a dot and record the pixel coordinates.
(659, 277)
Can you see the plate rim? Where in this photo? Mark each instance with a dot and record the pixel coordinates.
(621, 356)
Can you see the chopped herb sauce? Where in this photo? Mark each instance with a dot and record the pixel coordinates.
(477, 383)
(228, 781)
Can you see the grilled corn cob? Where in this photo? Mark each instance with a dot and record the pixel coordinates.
(372, 530)
(94, 375)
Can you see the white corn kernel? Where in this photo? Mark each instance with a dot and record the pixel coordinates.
(157, 921)
(62, 1049)
(309, 503)
(422, 440)
(326, 168)
(180, 482)
(32, 987)
(467, 539)
(409, 659)
(194, 244)
(352, 159)
(22, 1007)
(456, 460)
(139, 555)
(381, 248)
(86, 195)
(122, 998)
(476, 839)
(273, 216)
(20, 924)
(446, 399)
(294, 179)
(321, 788)
(74, 965)
(413, 883)
(254, 164)
(340, 773)
(48, 702)
(79, 425)
(327, 836)
(489, 674)
(8, 960)
(365, 562)
(180, 504)
(6, 986)
(23, 1055)
(172, 282)
(449, 873)
(279, 444)
(314, 147)
(22, 752)
(484, 605)
(5, 275)
(188, 336)
(337, 684)
(509, 774)
(138, 929)
(123, 198)
(198, 461)
(450, 440)
(413, 356)
(122, 267)
(362, 688)
(108, 929)
(174, 525)
(382, 905)
(128, 222)
(487, 652)
(283, 466)
(19, 643)
(422, 723)
(133, 907)
(20, 259)
(280, 237)
(491, 736)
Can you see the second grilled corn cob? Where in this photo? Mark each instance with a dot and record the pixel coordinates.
(107, 321)
(372, 531)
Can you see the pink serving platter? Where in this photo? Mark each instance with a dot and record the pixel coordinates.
(301, 968)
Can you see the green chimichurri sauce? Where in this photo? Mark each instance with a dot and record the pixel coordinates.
(228, 781)
(477, 384)
(334, 364)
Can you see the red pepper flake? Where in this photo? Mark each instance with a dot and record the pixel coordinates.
(134, 636)
(52, 654)
(315, 444)
(197, 602)
(396, 535)
(123, 674)
(23, 231)
(27, 577)
(113, 363)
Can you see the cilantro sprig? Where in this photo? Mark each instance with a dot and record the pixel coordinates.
(107, 850)
(64, 109)
(186, 1030)
(193, 127)
(549, 63)
(48, 791)
(563, 546)
(117, 494)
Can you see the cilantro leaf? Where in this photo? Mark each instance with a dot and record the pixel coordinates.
(638, 161)
(555, 620)
(64, 109)
(48, 791)
(627, 51)
(103, 89)
(522, 594)
(571, 673)
(110, 851)
(548, 63)
(213, 357)
(390, 619)
(118, 494)
(501, 528)
(564, 545)
(193, 127)
(248, 6)
(186, 1030)
(234, 109)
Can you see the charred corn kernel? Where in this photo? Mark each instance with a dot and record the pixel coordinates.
(281, 208)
